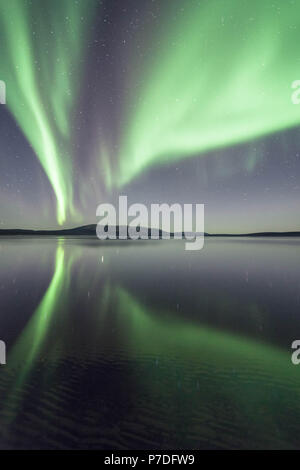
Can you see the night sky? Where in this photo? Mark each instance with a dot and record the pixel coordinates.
(161, 100)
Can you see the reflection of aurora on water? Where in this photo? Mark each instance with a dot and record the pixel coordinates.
(212, 373)
(124, 345)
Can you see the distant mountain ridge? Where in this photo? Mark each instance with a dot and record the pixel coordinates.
(91, 231)
(83, 230)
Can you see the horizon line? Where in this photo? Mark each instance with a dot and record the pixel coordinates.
(80, 227)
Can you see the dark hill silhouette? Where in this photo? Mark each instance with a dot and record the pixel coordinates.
(83, 230)
(91, 231)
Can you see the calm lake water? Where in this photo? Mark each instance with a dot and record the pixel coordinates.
(143, 345)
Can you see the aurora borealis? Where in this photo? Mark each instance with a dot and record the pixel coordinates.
(117, 110)
(40, 80)
(218, 78)
(159, 100)
(159, 349)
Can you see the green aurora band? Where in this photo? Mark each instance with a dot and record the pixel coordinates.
(31, 339)
(147, 334)
(218, 73)
(221, 74)
(40, 64)
(214, 366)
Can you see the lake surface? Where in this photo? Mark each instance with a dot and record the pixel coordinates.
(143, 345)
